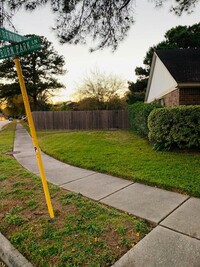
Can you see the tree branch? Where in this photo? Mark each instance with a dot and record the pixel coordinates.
(124, 5)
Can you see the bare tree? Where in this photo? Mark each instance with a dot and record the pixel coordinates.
(100, 89)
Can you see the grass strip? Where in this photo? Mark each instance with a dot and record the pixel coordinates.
(124, 154)
(85, 233)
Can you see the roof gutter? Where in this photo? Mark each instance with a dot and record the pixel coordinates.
(185, 85)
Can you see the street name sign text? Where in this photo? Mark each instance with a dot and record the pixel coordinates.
(21, 48)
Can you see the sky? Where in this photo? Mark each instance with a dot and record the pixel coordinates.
(150, 26)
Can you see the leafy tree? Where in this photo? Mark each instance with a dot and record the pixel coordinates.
(99, 90)
(40, 70)
(65, 107)
(62, 106)
(116, 103)
(89, 103)
(15, 106)
(136, 91)
(106, 22)
(178, 37)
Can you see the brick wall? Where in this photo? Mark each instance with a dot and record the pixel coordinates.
(189, 96)
(172, 98)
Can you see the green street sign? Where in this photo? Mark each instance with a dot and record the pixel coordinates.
(21, 48)
(11, 37)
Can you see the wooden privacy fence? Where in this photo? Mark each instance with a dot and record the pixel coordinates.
(81, 120)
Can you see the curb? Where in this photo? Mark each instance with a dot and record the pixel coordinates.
(11, 255)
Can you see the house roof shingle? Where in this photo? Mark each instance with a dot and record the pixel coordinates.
(183, 64)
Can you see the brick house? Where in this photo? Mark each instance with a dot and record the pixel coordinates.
(174, 77)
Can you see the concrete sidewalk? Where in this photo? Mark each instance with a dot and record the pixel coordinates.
(175, 242)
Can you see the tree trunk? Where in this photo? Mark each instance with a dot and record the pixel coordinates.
(35, 106)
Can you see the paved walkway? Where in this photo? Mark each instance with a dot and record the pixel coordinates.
(174, 242)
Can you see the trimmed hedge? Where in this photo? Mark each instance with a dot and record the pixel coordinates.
(175, 127)
(138, 117)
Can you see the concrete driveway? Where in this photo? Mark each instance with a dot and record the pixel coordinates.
(3, 123)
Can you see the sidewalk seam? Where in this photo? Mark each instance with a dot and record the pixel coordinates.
(174, 210)
(77, 179)
(179, 232)
(116, 191)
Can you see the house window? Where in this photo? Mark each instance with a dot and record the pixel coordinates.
(161, 101)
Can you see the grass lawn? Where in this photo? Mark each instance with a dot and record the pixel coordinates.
(124, 154)
(85, 233)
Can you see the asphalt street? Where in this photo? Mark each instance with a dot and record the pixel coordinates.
(3, 123)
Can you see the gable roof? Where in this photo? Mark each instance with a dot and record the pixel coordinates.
(183, 64)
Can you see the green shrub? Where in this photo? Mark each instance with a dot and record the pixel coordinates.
(175, 127)
(138, 117)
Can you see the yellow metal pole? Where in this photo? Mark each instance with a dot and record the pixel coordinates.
(34, 136)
